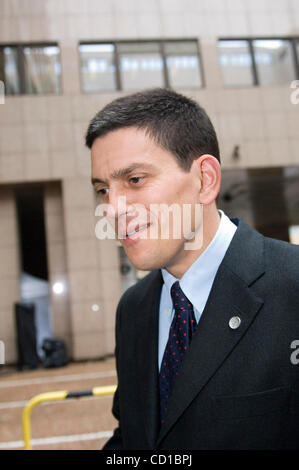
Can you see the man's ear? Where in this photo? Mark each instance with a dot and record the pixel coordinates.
(210, 178)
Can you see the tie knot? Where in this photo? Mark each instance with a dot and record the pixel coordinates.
(179, 299)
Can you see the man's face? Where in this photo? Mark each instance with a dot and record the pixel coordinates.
(127, 163)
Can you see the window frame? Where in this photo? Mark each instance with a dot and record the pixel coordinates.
(21, 66)
(200, 62)
(293, 40)
(161, 44)
(118, 54)
(117, 77)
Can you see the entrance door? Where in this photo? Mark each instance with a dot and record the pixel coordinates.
(34, 282)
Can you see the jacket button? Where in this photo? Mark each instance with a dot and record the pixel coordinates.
(234, 323)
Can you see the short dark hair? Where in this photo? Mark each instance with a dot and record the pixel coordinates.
(173, 121)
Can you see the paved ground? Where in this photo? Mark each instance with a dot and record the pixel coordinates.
(84, 423)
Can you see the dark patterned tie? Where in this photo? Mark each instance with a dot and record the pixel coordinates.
(181, 330)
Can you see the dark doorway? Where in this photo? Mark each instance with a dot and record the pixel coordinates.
(34, 282)
(32, 234)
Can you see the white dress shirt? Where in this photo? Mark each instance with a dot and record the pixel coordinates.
(197, 281)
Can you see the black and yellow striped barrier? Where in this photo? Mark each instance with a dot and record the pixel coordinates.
(53, 396)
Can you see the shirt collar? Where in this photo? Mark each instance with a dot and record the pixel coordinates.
(197, 281)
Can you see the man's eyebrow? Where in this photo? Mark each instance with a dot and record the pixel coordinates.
(125, 171)
(97, 180)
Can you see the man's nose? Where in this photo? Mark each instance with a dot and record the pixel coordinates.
(117, 203)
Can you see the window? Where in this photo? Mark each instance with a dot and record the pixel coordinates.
(97, 67)
(42, 69)
(9, 70)
(182, 60)
(235, 62)
(128, 65)
(246, 62)
(274, 61)
(30, 69)
(141, 65)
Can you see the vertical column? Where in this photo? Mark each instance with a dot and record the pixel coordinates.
(9, 273)
(70, 67)
(57, 266)
(94, 278)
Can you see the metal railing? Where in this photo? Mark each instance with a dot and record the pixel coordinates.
(53, 396)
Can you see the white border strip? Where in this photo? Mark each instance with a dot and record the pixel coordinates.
(5, 405)
(57, 440)
(62, 378)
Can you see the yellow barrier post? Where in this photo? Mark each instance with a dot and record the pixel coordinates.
(59, 395)
(101, 391)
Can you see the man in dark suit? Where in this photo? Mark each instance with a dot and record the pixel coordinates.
(205, 342)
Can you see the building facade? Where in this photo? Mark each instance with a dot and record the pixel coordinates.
(63, 60)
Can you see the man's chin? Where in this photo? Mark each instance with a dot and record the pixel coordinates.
(144, 264)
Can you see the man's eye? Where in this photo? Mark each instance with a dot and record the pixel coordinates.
(103, 191)
(135, 179)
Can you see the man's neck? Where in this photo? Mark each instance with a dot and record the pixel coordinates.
(211, 221)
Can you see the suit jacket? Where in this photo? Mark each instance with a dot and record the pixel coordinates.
(237, 388)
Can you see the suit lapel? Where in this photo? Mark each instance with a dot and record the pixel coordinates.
(147, 374)
(214, 340)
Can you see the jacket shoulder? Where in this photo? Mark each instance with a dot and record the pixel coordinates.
(135, 293)
(282, 254)
(282, 264)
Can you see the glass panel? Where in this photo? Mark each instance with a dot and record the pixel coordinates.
(141, 65)
(97, 67)
(9, 70)
(183, 64)
(274, 61)
(235, 62)
(42, 69)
